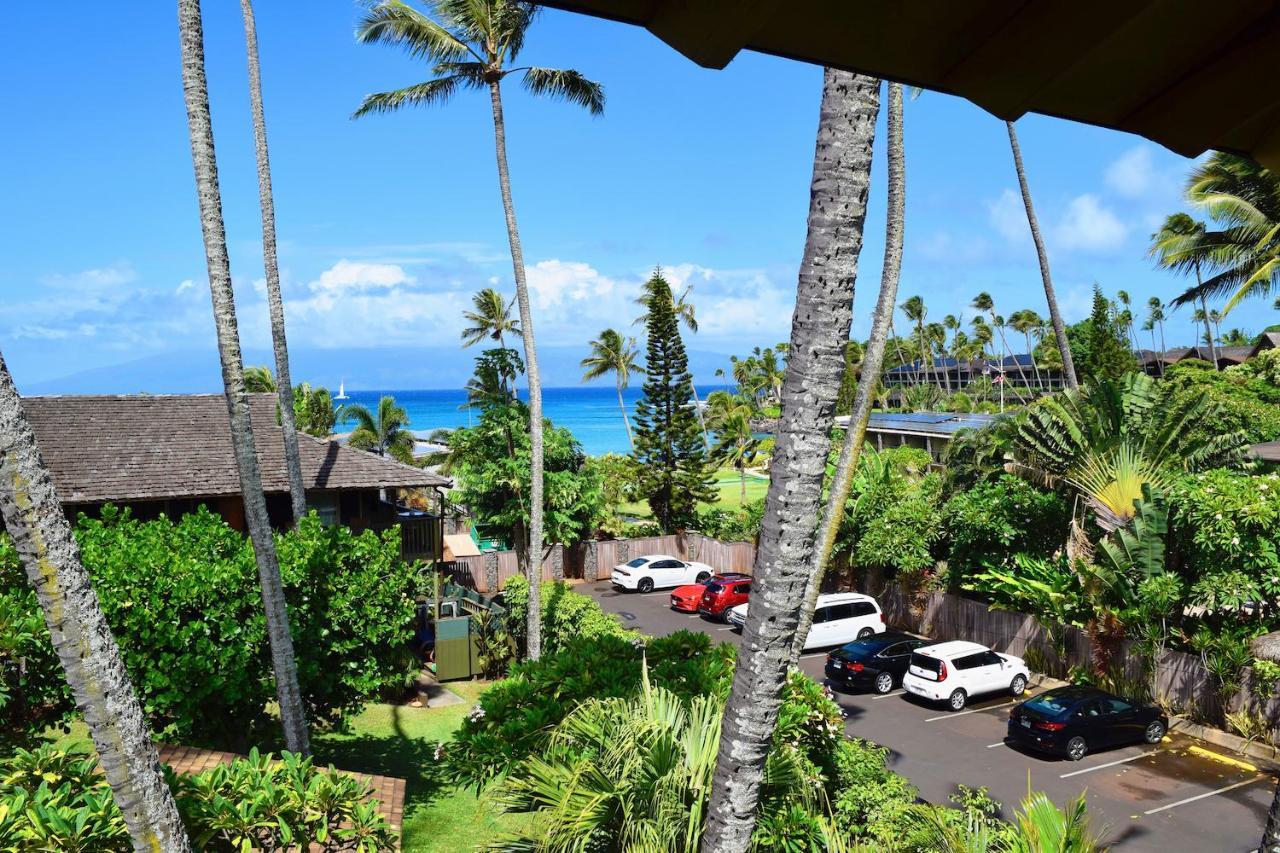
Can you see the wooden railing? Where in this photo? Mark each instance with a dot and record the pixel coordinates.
(421, 538)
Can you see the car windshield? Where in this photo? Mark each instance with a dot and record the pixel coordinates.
(714, 587)
(1049, 704)
(637, 562)
(926, 663)
(864, 648)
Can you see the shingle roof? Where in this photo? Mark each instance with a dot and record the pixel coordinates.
(117, 448)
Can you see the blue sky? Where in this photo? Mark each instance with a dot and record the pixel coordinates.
(387, 224)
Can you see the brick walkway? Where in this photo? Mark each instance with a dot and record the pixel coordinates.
(388, 790)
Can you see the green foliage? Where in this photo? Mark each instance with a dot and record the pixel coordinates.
(494, 380)
(891, 519)
(514, 716)
(384, 431)
(1245, 399)
(33, 691)
(491, 460)
(567, 616)
(673, 474)
(990, 522)
(52, 799)
(313, 411)
(183, 601)
(1105, 352)
(1044, 588)
(740, 525)
(1264, 679)
(872, 800)
(1136, 552)
(1224, 650)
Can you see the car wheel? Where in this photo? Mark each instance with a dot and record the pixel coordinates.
(884, 682)
(702, 577)
(957, 700)
(864, 633)
(1077, 748)
(1154, 732)
(645, 585)
(1018, 686)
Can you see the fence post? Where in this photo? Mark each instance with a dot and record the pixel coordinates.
(590, 560)
(491, 572)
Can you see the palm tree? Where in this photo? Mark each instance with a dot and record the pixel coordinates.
(1038, 827)
(984, 302)
(81, 637)
(385, 433)
(819, 331)
(848, 462)
(1055, 316)
(1243, 254)
(1026, 321)
(491, 318)
(1182, 245)
(729, 416)
(471, 45)
(200, 129)
(1236, 338)
(1215, 317)
(1125, 317)
(258, 379)
(916, 312)
(275, 303)
(612, 353)
(1156, 318)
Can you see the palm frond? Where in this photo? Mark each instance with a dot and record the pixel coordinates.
(566, 85)
(399, 24)
(422, 94)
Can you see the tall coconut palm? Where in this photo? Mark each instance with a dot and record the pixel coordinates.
(271, 265)
(490, 318)
(1181, 245)
(729, 416)
(1055, 316)
(81, 637)
(612, 353)
(984, 302)
(472, 44)
(1156, 318)
(1027, 321)
(385, 433)
(1125, 317)
(914, 310)
(872, 364)
(819, 331)
(1215, 317)
(200, 129)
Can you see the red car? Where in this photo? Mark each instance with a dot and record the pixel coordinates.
(688, 599)
(722, 593)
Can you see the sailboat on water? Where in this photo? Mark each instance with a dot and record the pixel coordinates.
(342, 392)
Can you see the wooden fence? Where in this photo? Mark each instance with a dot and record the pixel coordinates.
(1182, 680)
(594, 560)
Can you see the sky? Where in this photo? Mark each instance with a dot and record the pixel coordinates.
(388, 224)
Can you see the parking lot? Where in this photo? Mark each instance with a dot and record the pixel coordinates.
(1179, 795)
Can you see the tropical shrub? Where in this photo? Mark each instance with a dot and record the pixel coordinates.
(987, 524)
(33, 692)
(514, 715)
(891, 520)
(183, 601)
(1246, 397)
(567, 616)
(52, 799)
(741, 525)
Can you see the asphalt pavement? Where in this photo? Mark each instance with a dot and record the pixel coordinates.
(1179, 795)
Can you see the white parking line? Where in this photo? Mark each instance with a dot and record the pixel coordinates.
(1110, 764)
(971, 711)
(814, 655)
(1206, 794)
(994, 745)
(730, 628)
(887, 695)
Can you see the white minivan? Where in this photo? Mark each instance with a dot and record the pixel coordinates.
(840, 617)
(952, 672)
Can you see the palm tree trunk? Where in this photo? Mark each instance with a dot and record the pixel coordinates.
(819, 332)
(1032, 353)
(1162, 349)
(702, 424)
(88, 652)
(1208, 332)
(292, 714)
(626, 422)
(1055, 316)
(872, 363)
(275, 304)
(534, 568)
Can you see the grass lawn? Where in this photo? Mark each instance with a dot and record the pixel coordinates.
(728, 490)
(394, 740)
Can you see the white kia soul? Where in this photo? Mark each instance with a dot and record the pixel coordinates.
(954, 671)
(839, 618)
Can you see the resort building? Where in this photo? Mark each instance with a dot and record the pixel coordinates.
(951, 374)
(171, 453)
(931, 431)
(1153, 361)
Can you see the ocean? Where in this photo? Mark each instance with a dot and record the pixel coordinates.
(590, 412)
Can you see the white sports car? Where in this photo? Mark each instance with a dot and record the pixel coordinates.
(646, 574)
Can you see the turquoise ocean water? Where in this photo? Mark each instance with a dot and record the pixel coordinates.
(590, 412)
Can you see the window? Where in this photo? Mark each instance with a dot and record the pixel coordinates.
(821, 614)
(840, 611)
(714, 588)
(863, 608)
(1112, 705)
(1049, 704)
(992, 659)
(667, 564)
(1088, 709)
(897, 650)
(637, 562)
(742, 588)
(928, 664)
(971, 661)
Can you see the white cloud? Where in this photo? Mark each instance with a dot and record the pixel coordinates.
(347, 276)
(1133, 174)
(1008, 216)
(1089, 226)
(184, 286)
(554, 282)
(95, 279)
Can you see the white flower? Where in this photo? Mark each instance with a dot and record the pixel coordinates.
(1262, 487)
(1218, 516)
(439, 753)
(476, 714)
(1235, 540)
